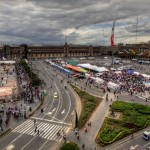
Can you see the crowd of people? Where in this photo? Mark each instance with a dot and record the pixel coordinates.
(130, 83)
(29, 95)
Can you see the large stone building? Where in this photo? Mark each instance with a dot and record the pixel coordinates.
(30, 51)
(141, 50)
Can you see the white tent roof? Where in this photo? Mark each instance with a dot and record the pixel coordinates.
(118, 72)
(7, 62)
(113, 85)
(97, 80)
(137, 73)
(93, 67)
(145, 75)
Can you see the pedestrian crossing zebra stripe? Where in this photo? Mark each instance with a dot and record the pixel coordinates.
(47, 130)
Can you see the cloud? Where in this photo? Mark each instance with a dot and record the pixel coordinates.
(82, 21)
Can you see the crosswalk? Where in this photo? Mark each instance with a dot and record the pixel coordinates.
(46, 130)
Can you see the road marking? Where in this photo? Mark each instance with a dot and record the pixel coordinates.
(59, 122)
(10, 147)
(53, 109)
(49, 113)
(63, 111)
(133, 147)
(46, 130)
(146, 144)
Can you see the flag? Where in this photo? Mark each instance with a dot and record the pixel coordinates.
(112, 34)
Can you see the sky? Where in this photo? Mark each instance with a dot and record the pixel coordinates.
(82, 22)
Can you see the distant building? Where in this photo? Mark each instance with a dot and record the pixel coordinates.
(141, 50)
(31, 51)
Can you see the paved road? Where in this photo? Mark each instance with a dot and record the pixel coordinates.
(57, 116)
(131, 143)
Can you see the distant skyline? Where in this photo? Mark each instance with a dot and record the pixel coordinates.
(81, 21)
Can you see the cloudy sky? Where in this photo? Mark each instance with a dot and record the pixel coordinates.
(81, 21)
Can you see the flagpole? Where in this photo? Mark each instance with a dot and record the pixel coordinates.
(112, 57)
(112, 43)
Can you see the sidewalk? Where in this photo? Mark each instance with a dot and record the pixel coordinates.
(96, 119)
(15, 111)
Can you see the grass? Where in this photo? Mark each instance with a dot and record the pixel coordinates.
(134, 117)
(89, 104)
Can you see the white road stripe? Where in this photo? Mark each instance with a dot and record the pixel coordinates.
(21, 130)
(20, 126)
(47, 130)
(54, 133)
(48, 135)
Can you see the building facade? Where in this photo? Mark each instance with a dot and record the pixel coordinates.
(30, 51)
(141, 50)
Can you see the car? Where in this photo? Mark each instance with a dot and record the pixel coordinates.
(55, 95)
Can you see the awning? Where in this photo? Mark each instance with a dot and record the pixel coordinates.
(76, 68)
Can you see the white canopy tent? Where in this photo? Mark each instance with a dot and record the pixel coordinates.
(137, 73)
(97, 80)
(7, 62)
(146, 76)
(113, 85)
(93, 67)
(118, 72)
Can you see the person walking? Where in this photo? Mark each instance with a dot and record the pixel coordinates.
(83, 146)
(78, 137)
(35, 129)
(85, 129)
(38, 132)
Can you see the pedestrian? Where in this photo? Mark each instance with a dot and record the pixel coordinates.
(38, 132)
(64, 137)
(34, 121)
(132, 136)
(76, 131)
(78, 136)
(85, 129)
(35, 129)
(83, 146)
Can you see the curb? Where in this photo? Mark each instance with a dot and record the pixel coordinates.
(117, 143)
(78, 100)
(5, 132)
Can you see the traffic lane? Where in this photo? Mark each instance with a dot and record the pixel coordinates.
(34, 144)
(22, 141)
(57, 105)
(65, 102)
(133, 142)
(7, 139)
(51, 145)
(64, 105)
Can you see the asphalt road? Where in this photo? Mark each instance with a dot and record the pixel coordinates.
(57, 115)
(136, 143)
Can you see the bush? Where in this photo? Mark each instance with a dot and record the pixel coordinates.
(134, 118)
(34, 78)
(69, 146)
(121, 106)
